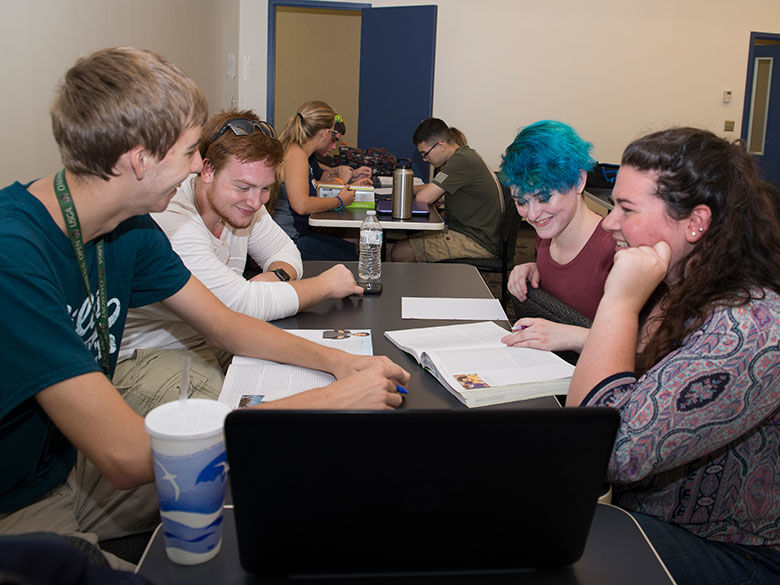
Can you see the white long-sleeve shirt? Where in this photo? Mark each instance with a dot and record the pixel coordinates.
(219, 264)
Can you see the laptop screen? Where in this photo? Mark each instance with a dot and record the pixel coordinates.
(415, 491)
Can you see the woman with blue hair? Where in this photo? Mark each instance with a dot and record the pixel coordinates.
(546, 167)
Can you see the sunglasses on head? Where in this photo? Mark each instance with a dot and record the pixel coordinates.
(243, 127)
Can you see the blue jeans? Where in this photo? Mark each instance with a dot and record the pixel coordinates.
(695, 560)
(326, 247)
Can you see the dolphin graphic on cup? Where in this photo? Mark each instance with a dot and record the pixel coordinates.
(190, 469)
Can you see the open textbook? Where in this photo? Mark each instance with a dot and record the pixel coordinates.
(251, 381)
(472, 363)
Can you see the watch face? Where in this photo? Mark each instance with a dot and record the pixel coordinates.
(279, 272)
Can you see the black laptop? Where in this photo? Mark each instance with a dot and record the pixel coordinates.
(325, 493)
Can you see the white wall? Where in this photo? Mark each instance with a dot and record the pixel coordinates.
(613, 69)
(253, 47)
(41, 39)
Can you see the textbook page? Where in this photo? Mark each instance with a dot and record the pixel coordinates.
(481, 377)
(477, 368)
(357, 341)
(416, 341)
(448, 308)
(499, 367)
(250, 381)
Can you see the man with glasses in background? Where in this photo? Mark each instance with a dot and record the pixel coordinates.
(215, 220)
(473, 202)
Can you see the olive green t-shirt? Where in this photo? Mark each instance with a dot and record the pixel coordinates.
(474, 202)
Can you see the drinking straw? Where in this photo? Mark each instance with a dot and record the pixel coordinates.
(185, 378)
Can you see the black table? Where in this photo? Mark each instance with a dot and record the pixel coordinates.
(382, 313)
(617, 552)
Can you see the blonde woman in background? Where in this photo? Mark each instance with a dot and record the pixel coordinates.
(310, 132)
(342, 173)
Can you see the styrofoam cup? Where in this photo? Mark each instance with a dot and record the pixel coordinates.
(190, 467)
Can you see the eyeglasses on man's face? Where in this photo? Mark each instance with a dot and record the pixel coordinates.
(243, 127)
(424, 155)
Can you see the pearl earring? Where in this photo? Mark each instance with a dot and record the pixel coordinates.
(693, 233)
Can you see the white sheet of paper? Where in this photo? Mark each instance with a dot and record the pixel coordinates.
(445, 308)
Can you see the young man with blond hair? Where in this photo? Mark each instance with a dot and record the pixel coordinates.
(216, 219)
(76, 251)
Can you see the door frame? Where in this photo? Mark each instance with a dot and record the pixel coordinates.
(271, 65)
(746, 105)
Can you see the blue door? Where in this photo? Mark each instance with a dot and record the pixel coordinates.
(397, 51)
(766, 152)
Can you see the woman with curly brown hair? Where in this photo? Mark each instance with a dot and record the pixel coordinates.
(686, 344)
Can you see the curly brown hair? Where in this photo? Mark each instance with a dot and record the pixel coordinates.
(738, 256)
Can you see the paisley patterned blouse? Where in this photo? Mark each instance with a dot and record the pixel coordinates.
(699, 439)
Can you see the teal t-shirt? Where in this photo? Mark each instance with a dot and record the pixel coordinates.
(48, 329)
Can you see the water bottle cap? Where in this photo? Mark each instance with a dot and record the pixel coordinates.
(404, 163)
(370, 212)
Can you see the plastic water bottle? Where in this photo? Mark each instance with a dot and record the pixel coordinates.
(370, 260)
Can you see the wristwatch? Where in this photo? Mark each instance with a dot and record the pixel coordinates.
(281, 274)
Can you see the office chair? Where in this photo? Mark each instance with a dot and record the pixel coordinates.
(504, 262)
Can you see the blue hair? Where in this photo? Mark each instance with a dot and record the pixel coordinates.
(544, 157)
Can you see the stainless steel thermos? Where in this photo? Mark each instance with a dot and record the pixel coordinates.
(403, 194)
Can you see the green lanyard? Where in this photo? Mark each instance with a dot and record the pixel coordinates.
(74, 233)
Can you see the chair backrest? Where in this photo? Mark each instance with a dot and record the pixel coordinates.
(508, 230)
(510, 225)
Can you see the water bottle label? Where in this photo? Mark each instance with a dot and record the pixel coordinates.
(371, 237)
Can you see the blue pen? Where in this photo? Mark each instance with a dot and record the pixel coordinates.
(401, 389)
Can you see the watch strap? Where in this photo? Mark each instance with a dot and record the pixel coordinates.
(281, 274)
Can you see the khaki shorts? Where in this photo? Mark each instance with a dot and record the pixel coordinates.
(151, 377)
(444, 245)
